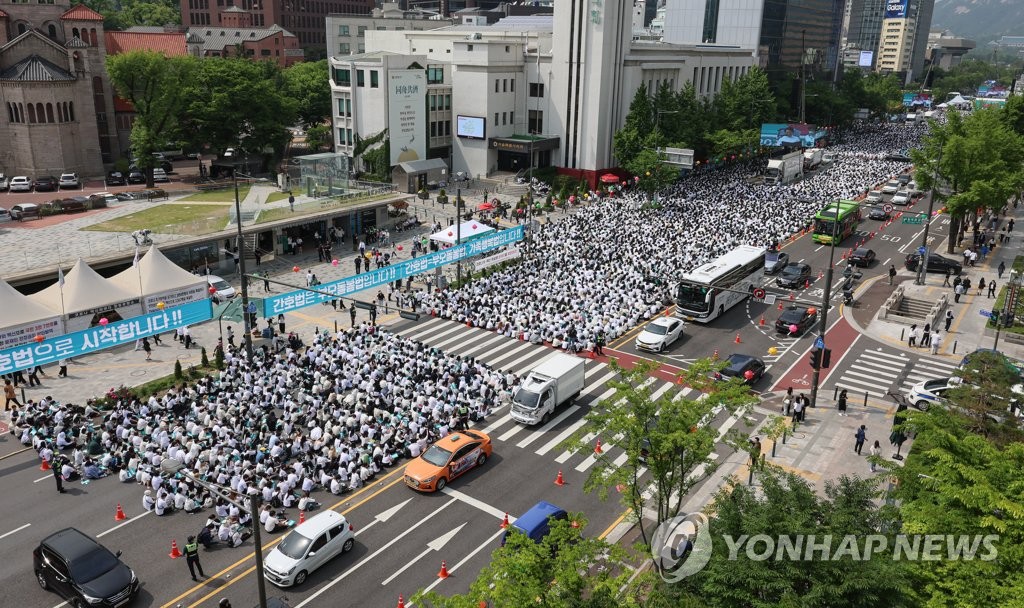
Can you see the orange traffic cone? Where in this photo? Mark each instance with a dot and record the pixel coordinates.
(737, 340)
(504, 522)
(780, 304)
(761, 322)
(469, 324)
(597, 448)
(792, 297)
(302, 517)
(575, 524)
(119, 514)
(45, 465)
(175, 554)
(559, 481)
(444, 570)
(807, 283)
(401, 602)
(593, 355)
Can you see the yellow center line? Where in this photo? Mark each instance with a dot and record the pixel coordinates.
(271, 544)
(617, 521)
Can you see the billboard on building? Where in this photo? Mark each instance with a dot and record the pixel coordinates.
(407, 111)
(791, 135)
(896, 9)
(865, 59)
(473, 127)
(915, 99)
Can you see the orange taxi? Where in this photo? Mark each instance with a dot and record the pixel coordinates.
(448, 458)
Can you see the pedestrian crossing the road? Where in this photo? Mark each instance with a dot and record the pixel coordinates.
(876, 372)
(519, 357)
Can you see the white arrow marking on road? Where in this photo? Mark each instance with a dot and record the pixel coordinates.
(451, 569)
(383, 516)
(435, 545)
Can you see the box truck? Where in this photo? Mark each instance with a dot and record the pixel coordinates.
(551, 383)
(785, 170)
(812, 158)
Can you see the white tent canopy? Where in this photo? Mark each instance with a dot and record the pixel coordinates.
(158, 279)
(24, 319)
(958, 101)
(84, 294)
(469, 231)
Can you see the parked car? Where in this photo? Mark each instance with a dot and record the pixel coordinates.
(84, 572)
(161, 162)
(904, 178)
(136, 177)
(737, 365)
(794, 275)
(803, 317)
(125, 196)
(116, 178)
(20, 183)
(912, 187)
(101, 200)
(862, 256)
(936, 263)
(5, 215)
(774, 261)
(224, 290)
(536, 523)
(878, 212)
(875, 196)
(660, 334)
(69, 180)
(310, 545)
(159, 175)
(24, 211)
(46, 183)
(901, 198)
(3, 182)
(891, 186)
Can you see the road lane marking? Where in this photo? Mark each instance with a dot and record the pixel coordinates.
(541, 432)
(475, 502)
(44, 478)
(435, 545)
(123, 524)
(487, 543)
(18, 529)
(5, 456)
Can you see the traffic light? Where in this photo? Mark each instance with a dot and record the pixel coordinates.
(826, 357)
(815, 358)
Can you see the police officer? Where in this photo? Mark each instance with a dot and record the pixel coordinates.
(55, 466)
(463, 416)
(373, 315)
(192, 558)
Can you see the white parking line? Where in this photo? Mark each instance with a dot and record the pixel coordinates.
(123, 524)
(19, 528)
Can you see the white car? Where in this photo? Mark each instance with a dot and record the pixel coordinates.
(874, 197)
(69, 180)
(912, 187)
(310, 545)
(3, 182)
(5, 215)
(660, 334)
(901, 198)
(923, 394)
(20, 183)
(224, 290)
(159, 175)
(891, 186)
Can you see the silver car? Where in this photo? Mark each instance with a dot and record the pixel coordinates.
(69, 180)
(3, 182)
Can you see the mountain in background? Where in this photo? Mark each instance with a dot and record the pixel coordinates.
(982, 20)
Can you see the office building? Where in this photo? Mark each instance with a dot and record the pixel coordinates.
(904, 38)
(863, 31)
(346, 33)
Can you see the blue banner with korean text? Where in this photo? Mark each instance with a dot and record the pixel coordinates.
(78, 343)
(294, 300)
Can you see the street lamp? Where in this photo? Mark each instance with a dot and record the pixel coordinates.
(825, 297)
(172, 466)
(241, 267)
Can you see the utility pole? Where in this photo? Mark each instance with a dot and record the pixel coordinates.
(458, 231)
(825, 297)
(241, 268)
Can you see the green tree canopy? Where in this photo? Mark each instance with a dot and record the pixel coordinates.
(307, 84)
(124, 14)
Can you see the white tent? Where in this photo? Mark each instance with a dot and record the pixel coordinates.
(87, 297)
(470, 230)
(23, 319)
(158, 279)
(958, 102)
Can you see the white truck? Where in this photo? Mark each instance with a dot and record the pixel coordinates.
(551, 383)
(812, 158)
(785, 170)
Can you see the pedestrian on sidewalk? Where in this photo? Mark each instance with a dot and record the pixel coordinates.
(949, 319)
(861, 436)
(841, 403)
(984, 252)
(599, 344)
(798, 408)
(876, 449)
(10, 396)
(926, 335)
(945, 281)
(63, 371)
(147, 348)
(936, 342)
(981, 285)
(992, 289)
(156, 339)
(1001, 269)
(892, 273)
(1009, 225)
(787, 402)
(912, 338)
(280, 323)
(352, 314)
(266, 282)
(291, 201)
(755, 453)
(33, 377)
(957, 292)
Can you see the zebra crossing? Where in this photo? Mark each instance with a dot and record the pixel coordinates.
(508, 354)
(876, 372)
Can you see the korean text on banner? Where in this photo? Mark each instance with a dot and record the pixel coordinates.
(103, 337)
(297, 299)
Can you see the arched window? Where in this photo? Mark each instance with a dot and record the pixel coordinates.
(31, 113)
(71, 111)
(52, 31)
(20, 111)
(22, 28)
(62, 112)
(74, 32)
(10, 112)
(49, 113)
(40, 113)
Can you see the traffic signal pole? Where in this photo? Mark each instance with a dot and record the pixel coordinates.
(826, 296)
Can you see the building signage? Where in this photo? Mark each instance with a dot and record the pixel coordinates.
(407, 98)
(896, 9)
(102, 337)
(510, 146)
(301, 298)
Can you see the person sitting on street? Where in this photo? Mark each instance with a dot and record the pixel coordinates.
(147, 500)
(206, 537)
(92, 470)
(68, 472)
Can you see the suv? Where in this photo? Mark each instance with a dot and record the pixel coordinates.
(3, 182)
(47, 183)
(115, 178)
(83, 571)
(69, 180)
(20, 183)
(536, 523)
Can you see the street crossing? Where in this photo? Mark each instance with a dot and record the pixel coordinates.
(879, 371)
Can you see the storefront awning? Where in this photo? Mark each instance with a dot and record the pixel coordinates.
(415, 167)
(523, 144)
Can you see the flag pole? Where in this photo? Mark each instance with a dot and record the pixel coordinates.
(138, 272)
(60, 284)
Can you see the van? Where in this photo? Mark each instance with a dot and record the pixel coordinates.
(536, 523)
(310, 545)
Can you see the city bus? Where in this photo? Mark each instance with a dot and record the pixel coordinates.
(849, 217)
(708, 291)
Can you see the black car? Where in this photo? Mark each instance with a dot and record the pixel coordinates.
(737, 366)
(879, 213)
(83, 571)
(904, 178)
(136, 177)
(862, 256)
(794, 275)
(116, 178)
(46, 183)
(775, 261)
(801, 316)
(936, 263)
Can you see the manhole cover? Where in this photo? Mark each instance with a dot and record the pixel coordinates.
(138, 372)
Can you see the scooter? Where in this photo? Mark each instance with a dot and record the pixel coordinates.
(848, 298)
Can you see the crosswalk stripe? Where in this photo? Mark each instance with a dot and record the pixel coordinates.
(566, 455)
(511, 432)
(558, 439)
(518, 366)
(426, 328)
(661, 391)
(465, 337)
(871, 377)
(541, 432)
(883, 356)
(481, 346)
(728, 424)
(499, 422)
(870, 389)
(873, 365)
(511, 353)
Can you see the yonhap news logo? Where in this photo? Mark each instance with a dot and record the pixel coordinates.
(681, 546)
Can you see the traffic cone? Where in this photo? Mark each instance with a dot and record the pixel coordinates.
(444, 570)
(575, 524)
(807, 283)
(792, 297)
(593, 355)
(737, 340)
(302, 517)
(119, 514)
(504, 522)
(597, 448)
(559, 481)
(469, 324)
(401, 602)
(821, 275)
(45, 465)
(175, 554)
(761, 322)
(780, 304)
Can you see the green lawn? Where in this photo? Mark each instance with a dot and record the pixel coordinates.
(277, 196)
(172, 218)
(226, 195)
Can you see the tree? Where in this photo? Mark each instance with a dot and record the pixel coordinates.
(363, 146)
(317, 137)
(670, 438)
(884, 93)
(553, 573)
(308, 85)
(127, 13)
(785, 505)
(155, 86)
